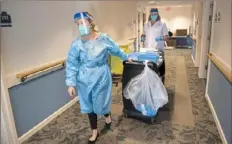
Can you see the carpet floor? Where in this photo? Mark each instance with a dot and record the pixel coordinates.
(189, 120)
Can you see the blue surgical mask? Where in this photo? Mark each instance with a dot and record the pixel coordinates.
(84, 30)
(154, 17)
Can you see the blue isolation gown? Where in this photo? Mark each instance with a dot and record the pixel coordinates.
(87, 68)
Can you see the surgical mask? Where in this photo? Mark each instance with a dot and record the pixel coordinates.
(154, 17)
(84, 30)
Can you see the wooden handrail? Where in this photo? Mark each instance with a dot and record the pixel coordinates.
(194, 38)
(25, 74)
(222, 67)
(133, 38)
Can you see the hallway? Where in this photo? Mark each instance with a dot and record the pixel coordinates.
(190, 121)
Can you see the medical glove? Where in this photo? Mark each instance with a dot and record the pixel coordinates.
(160, 38)
(142, 39)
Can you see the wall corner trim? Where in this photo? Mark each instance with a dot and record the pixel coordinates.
(46, 121)
(193, 61)
(219, 127)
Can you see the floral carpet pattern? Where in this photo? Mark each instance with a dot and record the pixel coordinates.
(71, 127)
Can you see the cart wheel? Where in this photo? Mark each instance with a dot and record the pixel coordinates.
(152, 120)
(125, 115)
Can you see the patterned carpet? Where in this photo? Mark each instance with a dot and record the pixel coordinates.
(73, 128)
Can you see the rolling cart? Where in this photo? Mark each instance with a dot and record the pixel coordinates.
(130, 71)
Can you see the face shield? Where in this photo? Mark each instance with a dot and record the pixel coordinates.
(154, 14)
(83, 21)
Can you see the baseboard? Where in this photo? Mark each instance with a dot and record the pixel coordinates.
(46, 121)
(169, 48)
(219, 127)
(193, 61)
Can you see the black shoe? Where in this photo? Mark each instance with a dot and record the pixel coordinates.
(107, 126)
(93, 142)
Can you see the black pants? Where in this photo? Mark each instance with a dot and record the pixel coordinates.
(93, 119)
(162, 71)
(162, 67)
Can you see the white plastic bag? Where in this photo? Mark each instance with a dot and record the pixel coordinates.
(147, 92)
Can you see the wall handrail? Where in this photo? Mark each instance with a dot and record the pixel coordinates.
(23, 75)
(227, 72)
(132, 38)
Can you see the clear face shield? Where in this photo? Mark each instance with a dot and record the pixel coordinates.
(154, 14)
(82, 20)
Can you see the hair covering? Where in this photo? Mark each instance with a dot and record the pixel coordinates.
(154, 10)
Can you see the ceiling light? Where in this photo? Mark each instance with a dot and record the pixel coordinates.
(152, 1)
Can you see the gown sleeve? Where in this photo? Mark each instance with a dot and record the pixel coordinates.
(72, 66)
(115, 50)
(165, 29)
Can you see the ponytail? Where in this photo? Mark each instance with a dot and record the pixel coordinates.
(94, 27)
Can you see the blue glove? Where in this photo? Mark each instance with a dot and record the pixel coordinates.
(142, 39)
(160, 38)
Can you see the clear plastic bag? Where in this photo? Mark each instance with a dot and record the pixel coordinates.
(147, 92)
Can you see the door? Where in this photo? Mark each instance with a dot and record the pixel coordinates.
(139, 33)
(144, 19)
(209, 33)
(8, 129)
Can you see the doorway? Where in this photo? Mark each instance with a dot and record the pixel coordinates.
(209, 35)
(139, 34)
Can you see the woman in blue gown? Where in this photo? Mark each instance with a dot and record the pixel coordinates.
(87, 69)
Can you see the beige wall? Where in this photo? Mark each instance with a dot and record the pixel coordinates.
(43, 30)
(221, 43)
(176, 17)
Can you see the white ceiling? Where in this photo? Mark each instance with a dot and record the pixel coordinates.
(161, 3)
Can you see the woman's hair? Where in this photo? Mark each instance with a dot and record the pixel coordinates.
(92, 23)
(158, 18)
